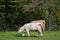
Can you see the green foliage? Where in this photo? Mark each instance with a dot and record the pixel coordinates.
(18, 12)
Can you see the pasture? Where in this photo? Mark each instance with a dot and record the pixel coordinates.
(53, 35)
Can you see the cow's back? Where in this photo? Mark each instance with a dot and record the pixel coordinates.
(32, 26)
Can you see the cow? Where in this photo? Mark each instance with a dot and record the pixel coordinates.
(31, 26)
(42, 22)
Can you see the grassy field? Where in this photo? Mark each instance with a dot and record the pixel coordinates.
(15, 36)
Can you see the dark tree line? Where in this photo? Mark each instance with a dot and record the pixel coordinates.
(15, 13)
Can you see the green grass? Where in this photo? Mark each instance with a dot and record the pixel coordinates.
(54, 35)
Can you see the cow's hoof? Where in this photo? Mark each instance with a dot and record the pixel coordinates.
(41, 34)
(22, 34)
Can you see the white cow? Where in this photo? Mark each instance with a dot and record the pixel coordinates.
(31, 26)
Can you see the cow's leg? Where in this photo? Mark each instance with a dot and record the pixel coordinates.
(23, 33)
(28, 32)
(40, 31)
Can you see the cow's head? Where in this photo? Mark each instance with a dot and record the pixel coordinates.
(21, 29)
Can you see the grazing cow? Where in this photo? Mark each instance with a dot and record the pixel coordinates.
(31, 26)
(42, 22)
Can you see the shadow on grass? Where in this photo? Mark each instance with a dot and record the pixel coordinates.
(25, 36)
